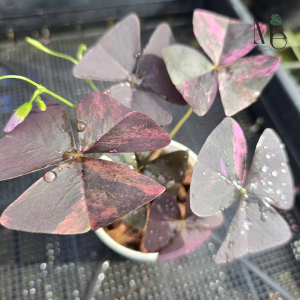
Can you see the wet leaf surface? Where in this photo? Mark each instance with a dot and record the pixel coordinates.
(168, 170)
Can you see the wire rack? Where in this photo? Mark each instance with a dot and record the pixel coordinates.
(53, 267)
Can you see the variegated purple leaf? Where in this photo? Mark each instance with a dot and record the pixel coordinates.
(270, 178)
(40, 141)
(189, 236)
(164, 219)
(105, 125)
(255, 227)
(223, 39)
(141, 100)
(220, 170)
(85, 194)
(242, 82)
(153, 69)
(115, 57)
(193, 75)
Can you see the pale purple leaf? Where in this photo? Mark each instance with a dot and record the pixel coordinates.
(242, 82)
(255, 227)
(193, 75)
(143, 101)
(223, 39)
(270, 178)
(115, 57)
(220, 169)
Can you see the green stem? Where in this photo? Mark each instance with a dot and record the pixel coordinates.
(41, 47)
(41, 89)
(181, 122)
(35, 95)
(81, 49)
(92, 85)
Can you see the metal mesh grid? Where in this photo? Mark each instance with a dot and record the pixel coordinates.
(39, 266)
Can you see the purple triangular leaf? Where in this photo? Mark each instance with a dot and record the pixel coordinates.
(115, 57)
(85, 194)
(164, 219)
(270, 176)
(242, 82)
(40, 141)
(105, 125)
(193, 75)
(153, 69)
(141, 100)
(253, 229)
(223, 39)
(220, 168)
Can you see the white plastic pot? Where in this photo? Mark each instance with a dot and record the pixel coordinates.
(137, 255)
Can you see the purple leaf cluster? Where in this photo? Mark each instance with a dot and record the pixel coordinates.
(81, 193)
(220, 174)
(225, 41)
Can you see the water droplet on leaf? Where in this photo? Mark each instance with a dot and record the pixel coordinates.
(274, 173)
(264, 169)
(247, 224)
(281, 146)
(268, 156)
(50, 176)
(81, 126)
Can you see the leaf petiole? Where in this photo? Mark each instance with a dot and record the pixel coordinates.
(36, 94)
(81, 49)
(40, 89)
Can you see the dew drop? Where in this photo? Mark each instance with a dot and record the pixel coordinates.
(270, 183)
(281, 146)
(274, 173)
(113, 151)
(222, 208)
(247, 224)
(107, 91)
(268, 156)
(137, 55)
(263, 217)
(151, 231)
(256, 94)
(283, 184)
(279, 192)
(127, 83)
(283, 197)
(122, 84)
(295, 227)
(81, 126)
(283, 164)
(283, 170)
(50, 176)
(265, 147)
(264, 169)
(160, 238)
(204, 173)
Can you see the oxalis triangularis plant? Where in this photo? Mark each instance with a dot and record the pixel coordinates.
(174, 227)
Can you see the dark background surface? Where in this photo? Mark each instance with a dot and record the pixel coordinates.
(39, 266)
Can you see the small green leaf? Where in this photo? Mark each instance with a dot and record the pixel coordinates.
(276, 20)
